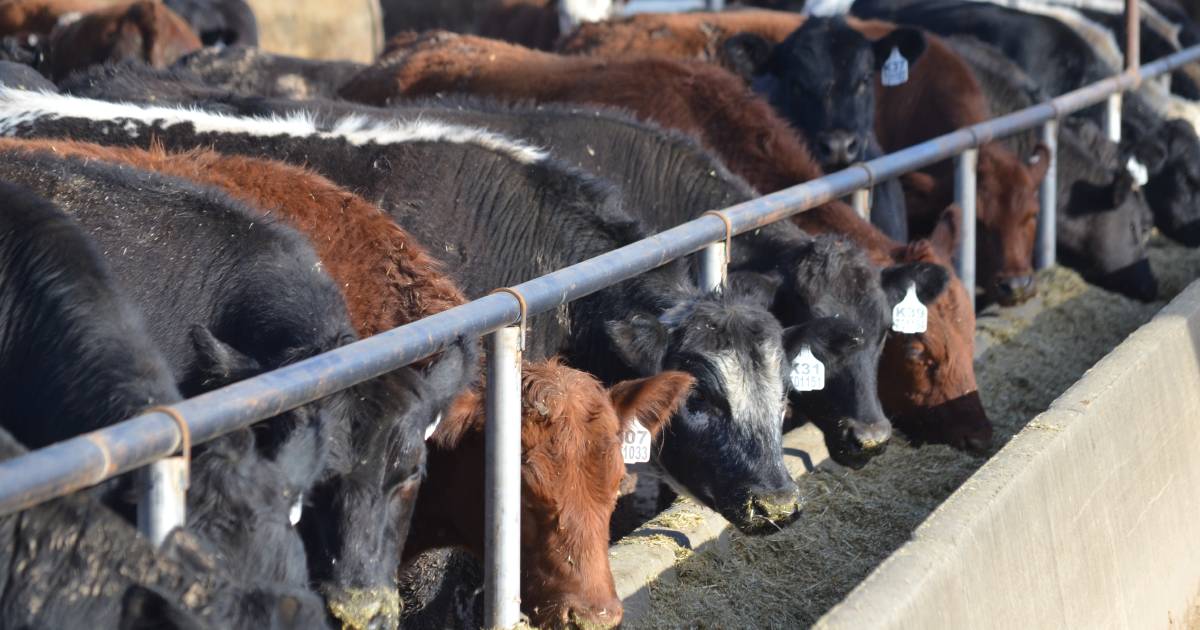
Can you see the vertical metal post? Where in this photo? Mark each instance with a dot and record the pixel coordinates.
(1133, 36)
(714, 5)
(861, 200)
(1112, 117)
(712, 272)
(964, 196)
(163, 504)
(502, 499)
(1044, 254)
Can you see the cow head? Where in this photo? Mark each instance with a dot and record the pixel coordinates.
(1106, 222)
(571, 468)
(822, 80)
(832, 299)
(1172, 157)
(359, 518)
(724, 447)
(927, 381)
(1007, 216)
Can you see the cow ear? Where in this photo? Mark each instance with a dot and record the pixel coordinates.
(827, 337)
(947, 231)
(219, 362)
(930, 279)
(745, 54)
(641, 342)
(145, 609)
(910, 41)
(652, 401)
(758, 288)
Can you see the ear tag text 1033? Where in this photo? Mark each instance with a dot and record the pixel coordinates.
(910, 316)
(895, 69)
(808, 373)
(635, 443)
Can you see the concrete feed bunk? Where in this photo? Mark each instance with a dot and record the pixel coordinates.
(1045, 532)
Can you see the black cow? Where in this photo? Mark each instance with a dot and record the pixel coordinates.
(73, 563)
(1059, 60)
(228, 295)
(252, 71)
(459, 188)
(1152, 46)
(822, 80)
(75, 355)
(219, 22)
(1103, 222)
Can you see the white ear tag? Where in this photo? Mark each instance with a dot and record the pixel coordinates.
(433, 427)
(635, 443)
(910, 316)
(1138, 171)
(296, 510)
(895, 69)
(808, 373)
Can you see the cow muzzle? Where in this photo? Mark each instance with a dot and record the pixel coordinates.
(365, 609)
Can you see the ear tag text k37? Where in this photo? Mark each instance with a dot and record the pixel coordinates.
(895, 69)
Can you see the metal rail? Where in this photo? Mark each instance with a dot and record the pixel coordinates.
(89, 459)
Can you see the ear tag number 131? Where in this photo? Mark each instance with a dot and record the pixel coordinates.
(910, 316)
(808, 373)
(895, 69)
(635, 443)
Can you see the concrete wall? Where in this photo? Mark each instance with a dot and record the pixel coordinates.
(321, 29)
(1089, 518)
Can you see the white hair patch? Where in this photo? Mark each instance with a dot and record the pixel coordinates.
(19, 107)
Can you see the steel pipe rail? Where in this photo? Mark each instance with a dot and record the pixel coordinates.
(91, 458)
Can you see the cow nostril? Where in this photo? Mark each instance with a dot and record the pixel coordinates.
(851, 146)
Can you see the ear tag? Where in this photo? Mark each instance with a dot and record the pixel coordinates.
(433, 427)
(635, 443)
(296, 510)
(895, 69)
(1140, 173)
(910, 316)
(808, 373)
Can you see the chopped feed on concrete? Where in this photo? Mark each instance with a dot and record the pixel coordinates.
(855, 519)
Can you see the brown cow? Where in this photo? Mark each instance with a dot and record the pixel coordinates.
(388, 280)
(570, 472)
(145, 30)
(713, 104)
(940, 96)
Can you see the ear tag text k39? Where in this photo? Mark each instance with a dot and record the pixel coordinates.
(895, 69)
(910, 316)
(635, 443)
(808, 373)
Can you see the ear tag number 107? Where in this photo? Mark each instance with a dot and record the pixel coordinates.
(910, 316)
(808, 373)
(635, 443)
(895, 69)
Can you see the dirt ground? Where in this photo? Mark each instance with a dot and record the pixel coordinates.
(856, 519)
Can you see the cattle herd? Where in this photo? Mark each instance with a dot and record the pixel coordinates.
(182, 210)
